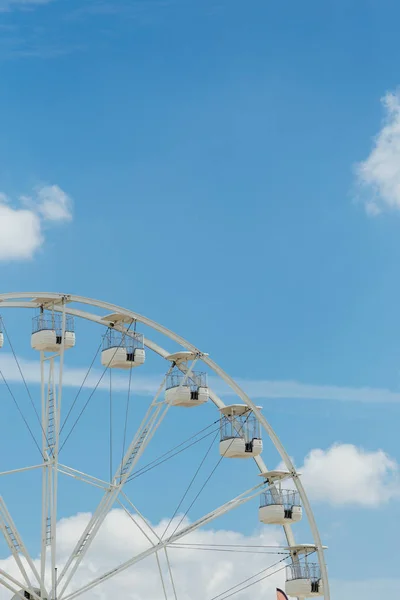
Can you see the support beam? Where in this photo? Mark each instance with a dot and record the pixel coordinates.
(81, 476)
(18, 586)
(16, 545)
(152, 420)
(224, 508)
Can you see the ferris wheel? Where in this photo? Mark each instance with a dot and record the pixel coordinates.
(105, 425)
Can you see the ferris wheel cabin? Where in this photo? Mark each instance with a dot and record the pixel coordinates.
(303, 578)
(123, 350)
(240, 432)
(47, 328)
(279, 506)
(186, 389)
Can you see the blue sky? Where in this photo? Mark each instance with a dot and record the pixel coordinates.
(206, 159)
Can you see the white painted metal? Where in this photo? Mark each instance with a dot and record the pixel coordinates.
(303, 580)
(46, 340)
(186, 388)
(149, 425)
(16, 545)
(279, 506)
(215, 514)
(21, 594)
(118, 358)
(120, 316)
(237, 448)
(240, 432)
(1, 339)
(182, 357)
(183, 396)
(275, 476)
(236, 410)
(302, 588)
(275, 514)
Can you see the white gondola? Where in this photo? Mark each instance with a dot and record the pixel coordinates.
(240, 432)
(122, 350)
(1, 334)
(47, 332)
(279, 506)
(303, 579)
(186, 390)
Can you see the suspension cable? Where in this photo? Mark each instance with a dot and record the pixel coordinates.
(81, 388)
(250, 551)
(96, 386)
(189, 487)
(210, 475)
(25, 385)
(157, 461)
(21, 413)
(223, 595)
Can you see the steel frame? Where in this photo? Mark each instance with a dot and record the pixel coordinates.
(51, 404)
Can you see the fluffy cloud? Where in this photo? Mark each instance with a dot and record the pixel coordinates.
(379, 175)
(198, 574)
(20, 232)
(21, 224)
(345, 475)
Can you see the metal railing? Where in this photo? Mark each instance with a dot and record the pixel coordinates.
(309, 571)
(240, 426)
(52, 321)
(195, 380)
(285, 498)
(119, 339)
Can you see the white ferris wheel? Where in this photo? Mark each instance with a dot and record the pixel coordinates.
(65, 426)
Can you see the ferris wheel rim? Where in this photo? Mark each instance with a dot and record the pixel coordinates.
(38, 299)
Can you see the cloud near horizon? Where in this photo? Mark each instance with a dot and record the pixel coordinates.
(22, 223)
(197, 574)
(6, 5)
(148, 384)
(345, 475)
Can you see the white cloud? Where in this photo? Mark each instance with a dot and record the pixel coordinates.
(54, 204)
(21, 231)
(197, 574)
(379, 175)
(74, 377)
(295, 389)
(347, 475)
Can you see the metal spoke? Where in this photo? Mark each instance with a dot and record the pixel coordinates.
(81, 476)
(17, 583)
(221, 510)
(152, 420)
(51, 417)
(15, 544)
(117, 318)
(21, 470)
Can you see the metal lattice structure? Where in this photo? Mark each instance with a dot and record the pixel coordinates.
(52, 581)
